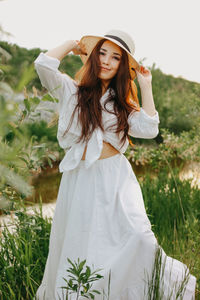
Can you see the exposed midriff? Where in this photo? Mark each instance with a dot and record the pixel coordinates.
(107, 151)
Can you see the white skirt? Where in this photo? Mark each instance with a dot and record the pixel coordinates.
(100, 216)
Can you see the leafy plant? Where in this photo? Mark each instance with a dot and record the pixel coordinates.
(81, 280)
(21, 155)
(174, 150)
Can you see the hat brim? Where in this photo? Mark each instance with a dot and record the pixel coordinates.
(90, 41)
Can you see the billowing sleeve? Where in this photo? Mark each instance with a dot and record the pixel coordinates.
(141, 125)
(59, 85)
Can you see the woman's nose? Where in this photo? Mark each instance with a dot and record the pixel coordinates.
(106, 60)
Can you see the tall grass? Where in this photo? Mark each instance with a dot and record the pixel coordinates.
(156, 282)
(173, 208)
(23, 254)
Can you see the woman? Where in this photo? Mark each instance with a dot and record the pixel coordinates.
(100, 214)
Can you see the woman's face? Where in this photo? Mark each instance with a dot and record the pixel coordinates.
(109, 57)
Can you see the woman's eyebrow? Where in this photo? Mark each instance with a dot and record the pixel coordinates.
(116, 53)
(113, 52)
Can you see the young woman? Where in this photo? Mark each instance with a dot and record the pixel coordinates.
(100, 214)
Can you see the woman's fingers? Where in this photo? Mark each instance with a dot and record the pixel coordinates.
(144, 76)
(143, 71)
(79, 48)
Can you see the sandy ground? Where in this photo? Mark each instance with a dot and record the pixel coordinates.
(47, 210)
(191, 171)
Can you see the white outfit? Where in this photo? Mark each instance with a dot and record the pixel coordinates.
(100, 214)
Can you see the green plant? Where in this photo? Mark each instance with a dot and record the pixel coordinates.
(21, 155)
(172, 206)
(23, 251)
(175, 150)
(157, 287)
(81, 280)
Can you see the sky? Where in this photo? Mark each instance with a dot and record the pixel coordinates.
(165, 32)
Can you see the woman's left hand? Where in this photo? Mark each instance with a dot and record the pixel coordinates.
(144, 76)
(79, 48)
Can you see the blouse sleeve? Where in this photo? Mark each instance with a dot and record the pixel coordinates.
(59, 85)
(141, 125)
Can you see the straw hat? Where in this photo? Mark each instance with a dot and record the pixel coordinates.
(118, 37)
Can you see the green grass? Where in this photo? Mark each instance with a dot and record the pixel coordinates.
(156, 283)
(23, 256)
(172, 206)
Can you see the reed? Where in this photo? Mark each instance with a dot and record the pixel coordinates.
(157, 287)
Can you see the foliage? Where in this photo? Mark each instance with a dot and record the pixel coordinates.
(170, 197)
(174, 150)
(20, 153)
(156, 282)
(173, 208)
(81, 280)
(21, 68)
(177, 100)
(40, 129)
(11, 178)
(23, 253)
(28, 145)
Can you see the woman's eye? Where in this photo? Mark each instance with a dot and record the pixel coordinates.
(101, 53)
(117, 58)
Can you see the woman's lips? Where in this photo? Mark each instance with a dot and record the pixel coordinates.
(105, 69)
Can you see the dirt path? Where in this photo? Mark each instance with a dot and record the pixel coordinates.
(47, 210)
(191, 171)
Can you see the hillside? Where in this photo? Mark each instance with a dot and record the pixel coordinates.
(177, 100)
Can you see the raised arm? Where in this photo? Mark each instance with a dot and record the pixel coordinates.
(144, 123)
(61, 51)
(60, 85)
(144, 78)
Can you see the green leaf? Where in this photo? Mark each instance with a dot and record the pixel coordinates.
(88, 271)
(24, 160)
(71, 262)
(70, 283)
(48, 97)
(95, 291)
(82, 265)
(27, 105)
(91, 295)
(75, 287)
(35, 100)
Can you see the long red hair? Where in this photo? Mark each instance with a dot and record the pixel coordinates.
(89, 93)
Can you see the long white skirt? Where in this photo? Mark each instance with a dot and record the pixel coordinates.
(100, 216)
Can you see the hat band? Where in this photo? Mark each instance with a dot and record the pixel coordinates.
(119, 40)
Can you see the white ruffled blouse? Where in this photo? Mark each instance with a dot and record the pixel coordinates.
(62, 87)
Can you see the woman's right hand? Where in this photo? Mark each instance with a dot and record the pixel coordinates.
(79, 48)
(144, 77)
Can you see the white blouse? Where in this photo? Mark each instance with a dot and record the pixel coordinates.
(64, 88)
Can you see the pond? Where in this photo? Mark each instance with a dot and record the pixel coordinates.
(47, 183)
